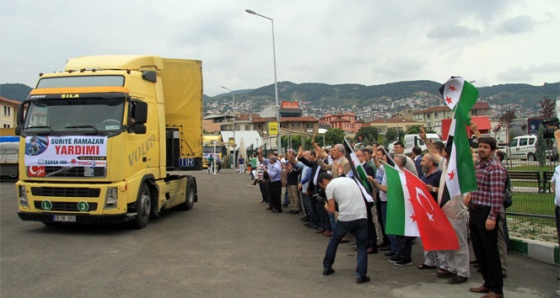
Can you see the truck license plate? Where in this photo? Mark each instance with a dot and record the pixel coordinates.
(64, 218)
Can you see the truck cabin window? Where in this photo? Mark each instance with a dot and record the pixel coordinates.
(92, 115)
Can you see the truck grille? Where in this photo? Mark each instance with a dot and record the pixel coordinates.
(74, 172)
(65, 206)
(66, 192)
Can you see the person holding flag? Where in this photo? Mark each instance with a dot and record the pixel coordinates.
(431, 177)
(340, 166)
(455, 263)
(372, 234)
(485, 205)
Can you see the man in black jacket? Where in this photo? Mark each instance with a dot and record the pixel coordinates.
(322, 222)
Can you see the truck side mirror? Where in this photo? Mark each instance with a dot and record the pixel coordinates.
(19, 118)
(139, 129)
(140, 112)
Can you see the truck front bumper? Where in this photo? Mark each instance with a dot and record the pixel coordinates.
(80, 218)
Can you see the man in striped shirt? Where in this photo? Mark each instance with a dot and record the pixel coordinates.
(485, 205)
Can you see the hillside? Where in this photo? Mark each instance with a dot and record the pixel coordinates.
(355, 95)
(324, 96)
(17, 92)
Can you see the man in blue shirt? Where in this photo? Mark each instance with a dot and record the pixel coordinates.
(274, 170)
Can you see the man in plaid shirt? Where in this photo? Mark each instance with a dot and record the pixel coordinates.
(485, 205)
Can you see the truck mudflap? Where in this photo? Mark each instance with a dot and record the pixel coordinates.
(75, 218)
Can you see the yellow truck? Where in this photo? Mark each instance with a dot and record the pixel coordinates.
(99, 139)
(211, 146)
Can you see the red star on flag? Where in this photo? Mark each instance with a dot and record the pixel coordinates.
(452, 88)
(451, 175)
(449, 100)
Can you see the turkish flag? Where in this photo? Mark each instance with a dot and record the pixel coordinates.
(435, 230)
(36, 171)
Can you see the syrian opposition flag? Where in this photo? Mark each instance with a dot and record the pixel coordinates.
(358, 173)
(460, 177)
(412, 211)
(451, 91)
(400, 214)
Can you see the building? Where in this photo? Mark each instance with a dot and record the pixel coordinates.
(212, 122)
(8, 110)
(432, 117)
(291, 123)
(347, 122)
(481, 108)
(400, 124)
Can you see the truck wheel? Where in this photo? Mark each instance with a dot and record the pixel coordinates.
(531, 157)
(189, 200)
(143, 207)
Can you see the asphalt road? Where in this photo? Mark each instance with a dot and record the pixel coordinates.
(227, 246)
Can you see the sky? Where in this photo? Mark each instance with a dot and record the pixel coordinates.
(367, 42)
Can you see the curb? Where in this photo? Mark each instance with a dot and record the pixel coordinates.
(538, 250)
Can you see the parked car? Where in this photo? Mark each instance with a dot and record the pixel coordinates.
(522, 147)
(412, 140)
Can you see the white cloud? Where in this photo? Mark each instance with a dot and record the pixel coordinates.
(326, 41)
(519, 24)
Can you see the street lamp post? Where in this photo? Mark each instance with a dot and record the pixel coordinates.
(275, 76)
(232, 111)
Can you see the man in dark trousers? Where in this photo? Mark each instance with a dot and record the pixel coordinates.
(274, 170)
(322, 223)
(346, 194)
(372, 233)
(485, 205)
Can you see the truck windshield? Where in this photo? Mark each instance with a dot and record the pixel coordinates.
(91, 116)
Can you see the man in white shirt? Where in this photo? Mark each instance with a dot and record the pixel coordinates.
(351, 216)
(555, 184)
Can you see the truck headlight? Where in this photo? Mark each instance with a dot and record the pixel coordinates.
(23, 196)
(112, 198)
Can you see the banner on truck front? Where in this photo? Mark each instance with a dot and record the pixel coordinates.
(75, 151)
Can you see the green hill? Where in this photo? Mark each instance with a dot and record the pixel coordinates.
(17, 92)
(348, 95)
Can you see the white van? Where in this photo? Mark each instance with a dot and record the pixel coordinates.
(522, 147)
(414, 140)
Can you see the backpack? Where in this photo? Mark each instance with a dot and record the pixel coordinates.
(508, 194)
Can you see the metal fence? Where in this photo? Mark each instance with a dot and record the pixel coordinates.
(532, 214)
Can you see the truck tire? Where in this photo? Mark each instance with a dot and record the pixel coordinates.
(189, 200)
(531, 157)
(143, 207)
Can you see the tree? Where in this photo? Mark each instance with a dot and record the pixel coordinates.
(380, 139)
(548, 108)
(334, 136)
(367, 135)
(505, 121)
(393, 134)
(415, 129)
(541, 146)
(291, 142)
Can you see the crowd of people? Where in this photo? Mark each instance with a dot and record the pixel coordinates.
(319, 184)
